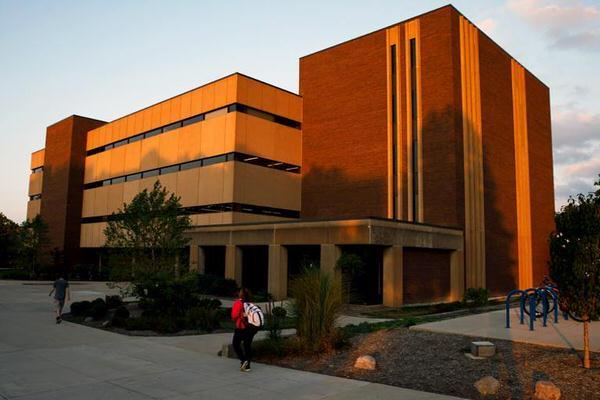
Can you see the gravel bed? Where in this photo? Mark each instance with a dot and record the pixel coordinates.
(436, 363)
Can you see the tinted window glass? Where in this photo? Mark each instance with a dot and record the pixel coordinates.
(152, 133)
(135, 138)
(193, 120)
(133, 177)
(172, 126)
(147, 174)
(168, 170)
(193, 164)
(214, 160)
(118, 180)
(120, 143)
(216, 113)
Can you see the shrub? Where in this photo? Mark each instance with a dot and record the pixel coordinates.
(80, 308)
(161, 294)
(352, 267)
(476, 297)
(167, 324)
(274, 318)
(19, 274)
(98, 309)
(203, 318)
(317, 301)
(113, 301)
(122, 312)
(118, 322)
(139, 324)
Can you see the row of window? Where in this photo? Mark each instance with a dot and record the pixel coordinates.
(36, 170)
(213, 208)
(197, 118)
(203, 162)
(35, 197)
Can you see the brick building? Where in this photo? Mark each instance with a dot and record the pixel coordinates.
(423, 147)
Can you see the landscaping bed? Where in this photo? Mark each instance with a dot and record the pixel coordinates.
(436, 363)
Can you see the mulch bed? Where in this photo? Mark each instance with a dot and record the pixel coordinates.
(436, 363)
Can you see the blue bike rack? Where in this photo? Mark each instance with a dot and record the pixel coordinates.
(534, 294)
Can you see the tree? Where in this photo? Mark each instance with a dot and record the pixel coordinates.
(575, 260)
(34, 239)
(9, 241)
(149, 230)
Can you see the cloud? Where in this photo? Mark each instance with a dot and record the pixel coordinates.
(568, 24)
(576, 137)
(488, 25)
(589, 40)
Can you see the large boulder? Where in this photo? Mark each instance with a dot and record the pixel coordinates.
(546, 390)
(487, 386)
(365, 362)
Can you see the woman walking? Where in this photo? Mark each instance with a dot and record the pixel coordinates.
(244, 331)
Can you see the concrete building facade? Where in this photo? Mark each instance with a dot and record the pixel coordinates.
(423, 147)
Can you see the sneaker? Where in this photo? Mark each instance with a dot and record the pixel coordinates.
(245, 367)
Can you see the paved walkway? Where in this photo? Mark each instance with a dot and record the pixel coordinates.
(565, 334)
(45, 361)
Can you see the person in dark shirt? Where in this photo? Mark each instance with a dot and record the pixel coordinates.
(61, 293)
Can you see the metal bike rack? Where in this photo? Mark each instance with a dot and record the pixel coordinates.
(534, 294)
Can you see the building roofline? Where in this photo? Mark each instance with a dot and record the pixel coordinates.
(75, 116)
(330, 219)
(419, 16)
(203, 85)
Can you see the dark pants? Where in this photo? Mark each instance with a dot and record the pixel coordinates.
(245, 336)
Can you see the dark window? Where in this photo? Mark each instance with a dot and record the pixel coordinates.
(106, 182)
(172, 126)
(191, 164)
(230, 157)
(193, 120)
(152, 133)
(114, 181)
(133, 177)
(120, 143)
(147, 174)
(36, 170)
(136, 138)
(415, 131)
(214, 160)
(168, 170)
(394, 132)
(109, 146)
(261, 114)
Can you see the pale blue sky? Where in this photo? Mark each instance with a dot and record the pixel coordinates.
(104, 59)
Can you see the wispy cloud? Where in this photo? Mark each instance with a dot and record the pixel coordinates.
(568, 24)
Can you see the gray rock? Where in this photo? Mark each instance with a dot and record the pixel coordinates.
(487, 386)
(227, 351)
(88, 319)
(105, 324)
(483, 349)
(365, 362)
(546, 390)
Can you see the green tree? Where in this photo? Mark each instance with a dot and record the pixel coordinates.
(34, 239)
(575, 260)
(149, 231)
(9, 241)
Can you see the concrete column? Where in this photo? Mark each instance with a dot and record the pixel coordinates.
(457, 275)
(201, 260)
(330, 253)
(193, 257)
(393, 276)
(278, 271)
(233, 263)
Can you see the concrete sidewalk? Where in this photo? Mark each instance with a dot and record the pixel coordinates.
(565, 334)
(42, 360)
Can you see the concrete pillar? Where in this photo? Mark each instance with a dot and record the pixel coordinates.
(193, 262)
(201, 260)
(457, 275)
(330, 253)
(393, 276)
(278, 271)
(233, 263)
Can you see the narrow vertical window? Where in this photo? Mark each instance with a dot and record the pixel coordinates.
(394, 133)
(415, 131)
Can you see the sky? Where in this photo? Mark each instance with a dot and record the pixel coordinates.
(104, 59)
